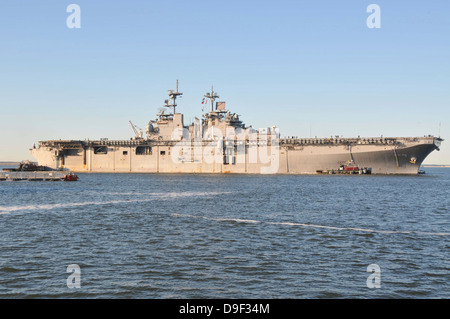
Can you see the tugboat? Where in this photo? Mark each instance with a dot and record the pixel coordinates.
(71, 177)
(348, 168)
(351, 168)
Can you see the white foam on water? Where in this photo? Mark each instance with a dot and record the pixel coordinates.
(168, 195)
(11, 209)
(152, 196)
(356, 229)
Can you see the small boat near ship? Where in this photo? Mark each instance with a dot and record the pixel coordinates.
(29, 171)
(28, 166)
(71, 177)
(348, 168)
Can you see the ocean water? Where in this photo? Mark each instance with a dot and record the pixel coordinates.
(227, 236)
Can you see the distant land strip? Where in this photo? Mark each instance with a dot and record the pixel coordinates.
(435, 165)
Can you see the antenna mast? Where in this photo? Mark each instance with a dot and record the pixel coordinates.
(173, 96)
(212, 96)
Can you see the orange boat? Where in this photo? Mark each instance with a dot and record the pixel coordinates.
(70, 177)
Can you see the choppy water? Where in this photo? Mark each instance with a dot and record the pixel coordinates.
(211, 236)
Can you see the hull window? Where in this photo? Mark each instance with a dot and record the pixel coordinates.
(100, 150)
(143, 150)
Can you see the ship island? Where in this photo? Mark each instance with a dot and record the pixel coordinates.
(219, 142)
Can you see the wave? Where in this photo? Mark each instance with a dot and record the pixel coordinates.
(169, 195)
(356, 229)
(153, 196)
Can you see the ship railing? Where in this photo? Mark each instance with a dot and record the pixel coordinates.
(341, 141)
(282, 141)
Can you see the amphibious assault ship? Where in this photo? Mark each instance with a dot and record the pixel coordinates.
(220, 142)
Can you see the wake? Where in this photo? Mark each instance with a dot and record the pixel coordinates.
(150, 197)
(355, 229)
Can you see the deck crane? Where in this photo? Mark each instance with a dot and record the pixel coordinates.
(137, 131)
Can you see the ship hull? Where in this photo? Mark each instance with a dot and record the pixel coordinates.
(404, 156)
(381, 160)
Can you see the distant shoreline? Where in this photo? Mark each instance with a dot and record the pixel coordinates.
(9, 163)
(435, 165)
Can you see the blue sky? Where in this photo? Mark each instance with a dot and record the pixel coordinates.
(309, 67)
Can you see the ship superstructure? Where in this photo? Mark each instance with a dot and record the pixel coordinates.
(220, 142)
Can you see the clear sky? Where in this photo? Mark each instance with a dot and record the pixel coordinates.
(308, 67)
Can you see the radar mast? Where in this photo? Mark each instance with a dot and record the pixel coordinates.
(212, 96)
(173, 97)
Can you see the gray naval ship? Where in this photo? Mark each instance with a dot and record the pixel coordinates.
(220, 142)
